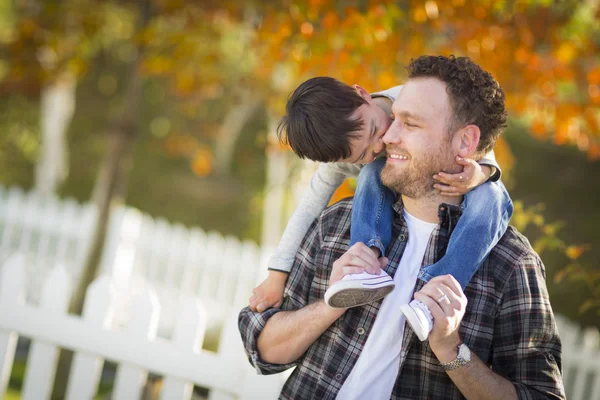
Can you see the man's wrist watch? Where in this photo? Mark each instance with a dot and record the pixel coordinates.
(464, 356)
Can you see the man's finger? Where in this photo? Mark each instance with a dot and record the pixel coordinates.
(366, 253)
(357, 261)
(352, 270)
(453, 299)
(451, 282)
(436, 292)
(365, 259)
(436, 311)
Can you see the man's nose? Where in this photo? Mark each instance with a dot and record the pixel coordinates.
(393, 134)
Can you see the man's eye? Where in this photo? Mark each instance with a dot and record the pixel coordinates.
(410, 125)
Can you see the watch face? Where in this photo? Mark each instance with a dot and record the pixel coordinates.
(464, 353)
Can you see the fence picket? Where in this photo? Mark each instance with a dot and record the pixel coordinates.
(12, 220)
(42, 358)
(142, 325)
(249, 260)
(188, 335)
(193, 261)
(30, 217)
(86, 368)
(12, 292)
(230, 267)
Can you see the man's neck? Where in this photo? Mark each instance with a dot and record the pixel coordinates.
(426, 208)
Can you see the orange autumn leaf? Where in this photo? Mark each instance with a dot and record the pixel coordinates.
(594, 152)
(574, 252)
(593, 76)
(538, 129)
(202, 163)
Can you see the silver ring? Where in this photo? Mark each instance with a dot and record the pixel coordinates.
(460, 177)
(442, 297)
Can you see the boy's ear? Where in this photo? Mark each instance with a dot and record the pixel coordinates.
(362, 92)
(469, 140)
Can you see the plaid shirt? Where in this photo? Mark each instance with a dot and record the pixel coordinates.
(508, 322)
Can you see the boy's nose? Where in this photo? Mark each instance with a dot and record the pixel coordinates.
(380, 146)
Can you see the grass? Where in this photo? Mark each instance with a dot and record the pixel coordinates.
(17, 377)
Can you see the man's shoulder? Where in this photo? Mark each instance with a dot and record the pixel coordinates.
(335, 220)
(513, 252)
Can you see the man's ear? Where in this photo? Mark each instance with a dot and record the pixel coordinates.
(362, 92)
(469, 140)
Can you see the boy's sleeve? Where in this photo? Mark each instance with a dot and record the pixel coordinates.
(314, 200)
(391, 93)
(490, 160)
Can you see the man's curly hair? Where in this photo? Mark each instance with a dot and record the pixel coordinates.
(475, 96)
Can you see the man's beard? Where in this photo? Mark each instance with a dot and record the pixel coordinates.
(416, 180)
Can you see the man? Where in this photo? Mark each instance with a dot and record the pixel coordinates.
(495, 340)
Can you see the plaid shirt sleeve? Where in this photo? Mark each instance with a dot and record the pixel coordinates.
(527, 348)
(296, 296)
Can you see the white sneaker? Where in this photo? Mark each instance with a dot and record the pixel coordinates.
(418, 317)
(358, 289)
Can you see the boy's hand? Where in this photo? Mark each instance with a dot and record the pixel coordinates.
(460, 184)
(269, 293)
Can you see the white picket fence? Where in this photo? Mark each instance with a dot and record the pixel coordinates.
(174, 259)
(135, 347)
(581, 360)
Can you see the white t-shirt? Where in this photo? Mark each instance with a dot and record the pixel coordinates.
(376, 369)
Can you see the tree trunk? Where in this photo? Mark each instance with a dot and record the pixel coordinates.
(277, 175)
(231, 130)
(110, 190)
(57, 107)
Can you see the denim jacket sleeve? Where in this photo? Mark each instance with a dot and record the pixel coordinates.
(323, 183)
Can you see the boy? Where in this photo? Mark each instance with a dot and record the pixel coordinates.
(342, 127)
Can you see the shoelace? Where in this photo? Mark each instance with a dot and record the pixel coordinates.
(421, 306)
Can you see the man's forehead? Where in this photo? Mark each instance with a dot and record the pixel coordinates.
(422, 97)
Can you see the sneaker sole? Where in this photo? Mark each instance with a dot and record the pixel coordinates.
(350, 294)
(415, 323)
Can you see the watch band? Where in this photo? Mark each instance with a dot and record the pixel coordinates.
(463, 357)
(454, 364)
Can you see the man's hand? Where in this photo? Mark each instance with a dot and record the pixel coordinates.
(359, 258)
(447, 303)
(461, 183)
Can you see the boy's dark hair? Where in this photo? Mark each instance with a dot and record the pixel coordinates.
(318, 124)
(475, 96)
